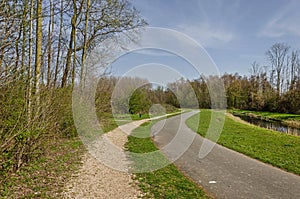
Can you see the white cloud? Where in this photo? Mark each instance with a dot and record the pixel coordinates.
(208, 35)
(284, 22)
(154, 52)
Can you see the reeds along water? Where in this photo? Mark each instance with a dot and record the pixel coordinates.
(273, 125)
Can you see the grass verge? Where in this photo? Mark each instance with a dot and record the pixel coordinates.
(45, 177)
(167, 182)
(270, 115)
(278, 149)
(292, 120)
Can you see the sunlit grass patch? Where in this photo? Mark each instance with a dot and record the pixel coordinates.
(278, 149)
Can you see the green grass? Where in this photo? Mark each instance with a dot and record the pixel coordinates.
(121, 119)
(108, 121)
(271, 115)
(45, 177)
(167, 182)
(278, 149)
(131, 116)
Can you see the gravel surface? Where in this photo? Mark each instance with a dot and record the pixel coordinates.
(95, 180)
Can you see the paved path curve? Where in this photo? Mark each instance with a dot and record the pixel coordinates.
(225, 173)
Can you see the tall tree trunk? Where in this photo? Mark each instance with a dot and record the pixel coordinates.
(17, 40)
(1, 58)
(30, 71)
(278, 83)
(294, 63)
(38, 53)
(17, 49)
(50, 36)
(84, 51)
(59, 42)
(24, 35)
(74, 62)
(70, 49)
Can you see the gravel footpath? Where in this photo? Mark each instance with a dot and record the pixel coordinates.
(95, 180)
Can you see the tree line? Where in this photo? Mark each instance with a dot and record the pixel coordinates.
(125, 96)
(273, 87)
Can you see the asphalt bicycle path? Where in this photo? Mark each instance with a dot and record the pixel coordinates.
(224, 173)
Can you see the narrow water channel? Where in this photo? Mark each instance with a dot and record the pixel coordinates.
(274, 125)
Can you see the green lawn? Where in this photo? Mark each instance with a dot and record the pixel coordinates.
(167, 182)
(276, 116)
(278, 149)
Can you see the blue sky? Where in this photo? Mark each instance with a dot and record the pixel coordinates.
(235, 33)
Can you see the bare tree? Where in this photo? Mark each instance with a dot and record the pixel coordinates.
(255, 69)
(278, 55)
(103, 19)
(294, 63)
(71, 43)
